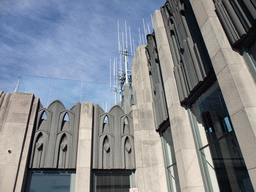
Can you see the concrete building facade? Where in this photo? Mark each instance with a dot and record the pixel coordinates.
(187, 123)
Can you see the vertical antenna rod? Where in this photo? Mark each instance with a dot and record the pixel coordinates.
(152, 20)
(126, 36)
(115, 89)
(140, 36)
(133, 47)
(145, 31)
(110, 73)
(123, 39)
(121, 76)
(115, 59)
(118, 36)
(130, 39)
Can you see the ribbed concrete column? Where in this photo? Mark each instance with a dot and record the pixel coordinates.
(235, 80)
(184, 146)
(15, 136)
(83, 166)
(150, 170)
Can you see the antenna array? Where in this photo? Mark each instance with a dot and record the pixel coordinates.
(146, 30)
(121, 76)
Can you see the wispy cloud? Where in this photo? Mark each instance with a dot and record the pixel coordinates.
(69, 39)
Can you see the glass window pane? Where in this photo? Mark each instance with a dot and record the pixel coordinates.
(221, 150)
(170, 161)
(52, 181)
(112, 181)
(253, 51)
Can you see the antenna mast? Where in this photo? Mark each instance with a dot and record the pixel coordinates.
(119, 75)
(124, 76)
(124, 53)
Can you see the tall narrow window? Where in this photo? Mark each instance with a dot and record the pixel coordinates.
(105, 128)
(44, 116)
(170, 161)
(219, 147)
(42, 119)
(252, 50)
(66, 117)
(65, 122)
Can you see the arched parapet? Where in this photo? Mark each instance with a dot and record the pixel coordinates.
(106, 124)
(113, 133)
(116, 110)
(63, 151)
(56, 122)
(106, 152)
(98, 109)
(66, 121)
(98, 112)
(74, 107)
(127, 152)
(126, 125)
(127, 143)
(44, 119)
(56, 105)
(39, 149)
(64, 132)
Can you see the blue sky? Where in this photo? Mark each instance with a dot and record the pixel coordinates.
(66, 39)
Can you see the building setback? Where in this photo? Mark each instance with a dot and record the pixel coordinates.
(187, 124)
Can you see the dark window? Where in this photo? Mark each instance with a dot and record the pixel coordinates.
(44, 181)
(227, 158)
(111, 181)
(252, 50)
(170, 161)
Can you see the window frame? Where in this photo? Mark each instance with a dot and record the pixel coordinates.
(129, 173)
